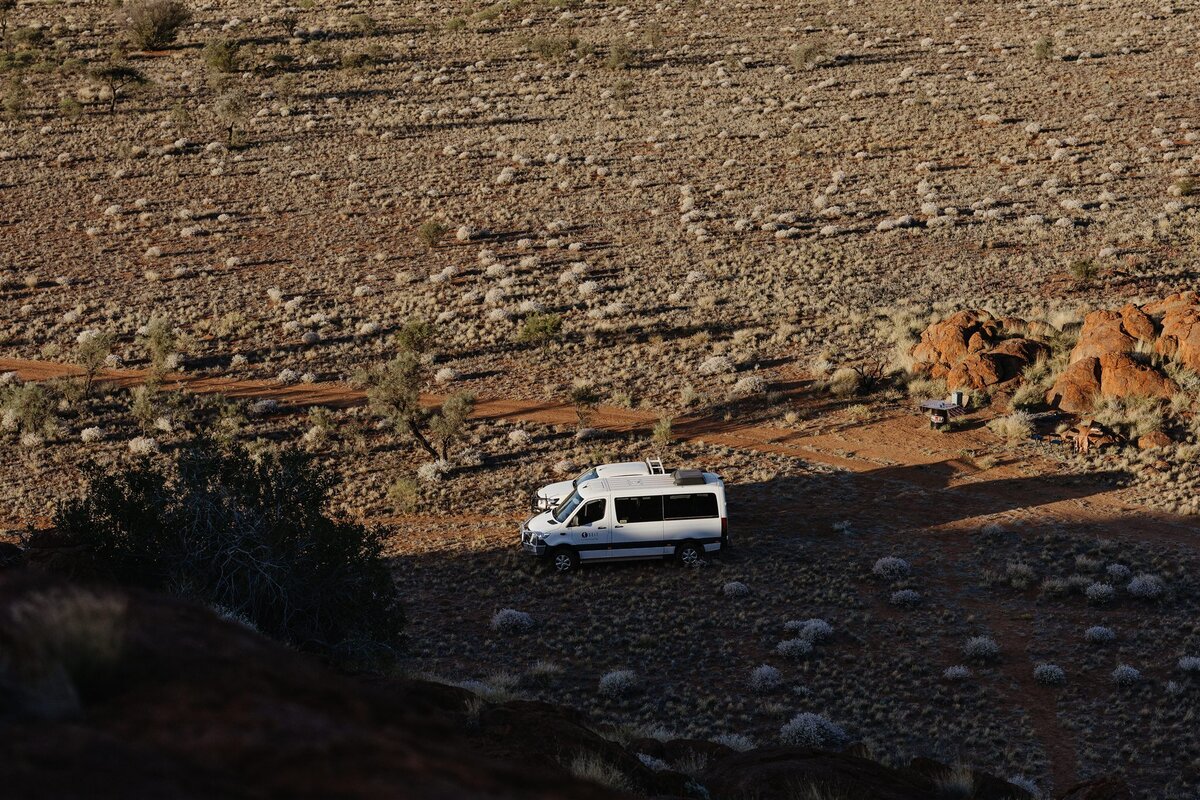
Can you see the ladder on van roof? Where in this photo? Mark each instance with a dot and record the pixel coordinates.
(656, 466)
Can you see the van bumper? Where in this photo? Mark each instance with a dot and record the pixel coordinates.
(530, 545)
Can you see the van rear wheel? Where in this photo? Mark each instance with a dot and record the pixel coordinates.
(564, 559)
(690, 554)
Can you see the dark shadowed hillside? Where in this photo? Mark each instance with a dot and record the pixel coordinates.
(114, 694)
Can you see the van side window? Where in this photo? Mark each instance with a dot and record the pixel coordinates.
(592, 512)
(639, 509)
(690, 506)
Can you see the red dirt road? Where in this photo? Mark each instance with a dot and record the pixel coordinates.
(898, 448)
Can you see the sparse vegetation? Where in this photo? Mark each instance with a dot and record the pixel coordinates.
(509, 620)
(981, 648)
(813, 730)
(1084, 271)
(619, 683)
(809, 55)
(715, 212)
(591, 767)
(394, 394)
(432, 232)
(221, 55)
(154, 24)
(1014, 428)
(116, 77)
(891, 568)
(541, 328)
(1043, 49)
(249, 533)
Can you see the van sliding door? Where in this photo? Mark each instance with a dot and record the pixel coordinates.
(638, 527)
(693, 516)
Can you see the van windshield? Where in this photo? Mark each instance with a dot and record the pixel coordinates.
(590, 475)
(567, 507)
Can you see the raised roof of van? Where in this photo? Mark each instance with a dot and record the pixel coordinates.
(623, 468)
(652, 482)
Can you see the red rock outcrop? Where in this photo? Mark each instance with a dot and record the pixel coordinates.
(1122, 376)
(1111, 375)
(1076, 387)
(1001, 363)
(973, 350)
(1113, 332)
(1180, 336)
(943, 344)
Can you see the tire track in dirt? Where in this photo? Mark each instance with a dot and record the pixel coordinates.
(910, 473)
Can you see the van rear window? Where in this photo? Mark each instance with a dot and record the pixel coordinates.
(639, 509)
(690, 506)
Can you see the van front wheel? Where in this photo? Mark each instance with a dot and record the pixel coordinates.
(564, 559)
(690, 554)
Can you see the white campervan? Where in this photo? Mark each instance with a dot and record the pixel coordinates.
(681, 515)
(552, 494)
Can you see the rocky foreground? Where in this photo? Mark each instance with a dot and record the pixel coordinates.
(114, 694)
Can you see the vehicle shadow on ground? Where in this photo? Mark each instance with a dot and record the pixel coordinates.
(940, 494)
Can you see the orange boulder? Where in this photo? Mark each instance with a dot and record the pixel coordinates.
(1137, 323)
(1121, 376)
(1001, 363)
(1104, 331)
(1153, 439)
(1116, 375)
(1180, 339)
(1076, 387)
(943, 344)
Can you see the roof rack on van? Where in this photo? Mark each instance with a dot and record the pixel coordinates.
(688, 477)
(656, 466)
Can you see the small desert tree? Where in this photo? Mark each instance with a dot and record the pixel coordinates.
(161, 343)
(287, 22)
(414, 336)
(27, 408)
(221, 55)
(116, 76)
(154, 24)
(91, 352)
(394, 394)
(14, 99)
(585, 398)
(232, 109)
(662, 433)
(144, 405)
(246, 532)
(449, 424)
